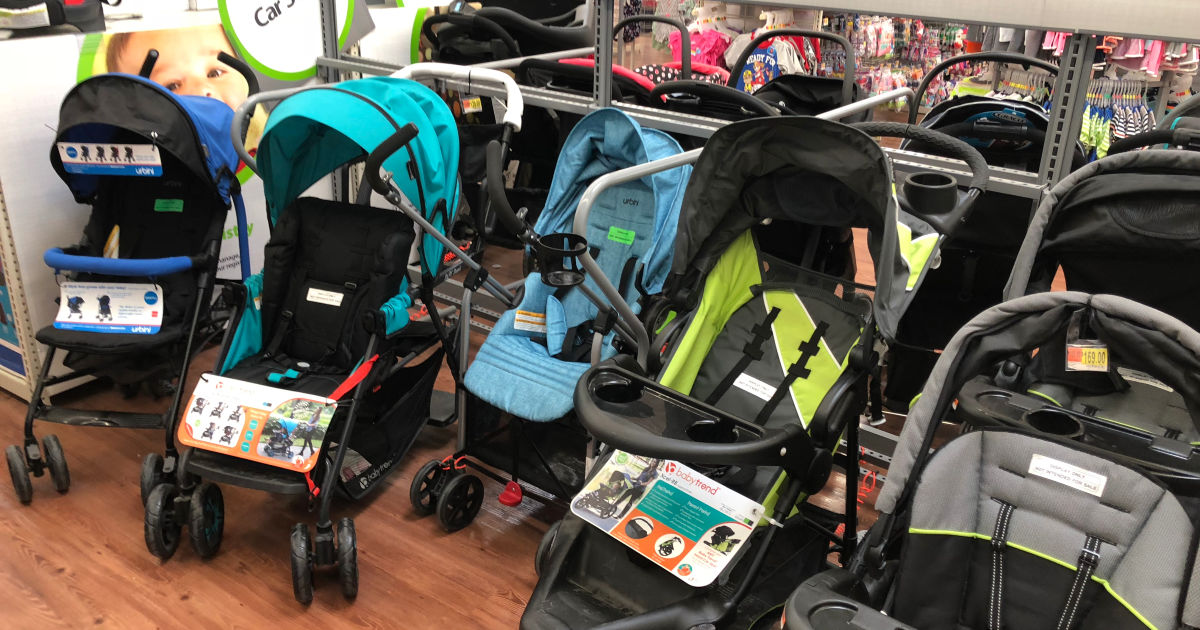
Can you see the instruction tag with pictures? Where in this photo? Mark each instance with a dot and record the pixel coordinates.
(110, 307)
(138, 160)
(671, 514)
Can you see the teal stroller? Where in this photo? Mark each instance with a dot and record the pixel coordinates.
(327, 321)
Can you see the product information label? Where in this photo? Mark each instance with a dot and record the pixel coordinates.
(104, 307)
(622, 236)
(321, 296)
(1135, 376)
(1087, 357)
(529, 321)
(673, 515)
(168, 205)
(748, 383)
(29, 17)
(471, 104)
(137, 160)
(1068, 475)
(263, 424)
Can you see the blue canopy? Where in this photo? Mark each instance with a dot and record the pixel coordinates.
(312, 133)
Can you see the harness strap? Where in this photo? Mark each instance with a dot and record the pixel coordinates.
(354, 379)
(281, 332)
(752, 351)
(1089, 557)
(799, 369)
(999, 544)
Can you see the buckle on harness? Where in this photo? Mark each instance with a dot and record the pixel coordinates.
(1089, 557)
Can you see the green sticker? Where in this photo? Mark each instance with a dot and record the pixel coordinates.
(624, 237)
(168, 205)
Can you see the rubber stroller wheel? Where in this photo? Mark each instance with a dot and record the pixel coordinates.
(206, 519)
(161, 529)
(302, 574)
(19, 473)
(422, 493)
(544, 548)
(52, 450)
(459, 502)
(347, 557)
(160, 387)
(152, 475)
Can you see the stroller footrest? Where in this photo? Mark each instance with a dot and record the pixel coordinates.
(442, 410)
(94, 418)
(247, 474)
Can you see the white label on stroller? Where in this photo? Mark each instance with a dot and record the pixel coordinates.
(1136, 376)
(1068, 475)
(29, 17)
(139, 160)
(748, 383)
(320, 296)
(672, 514)
(530, 322)
(108, 307)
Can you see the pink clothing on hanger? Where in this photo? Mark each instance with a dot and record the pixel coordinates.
(1152, 60)
(707, 47)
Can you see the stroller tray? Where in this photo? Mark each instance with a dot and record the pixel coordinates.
(257, 423)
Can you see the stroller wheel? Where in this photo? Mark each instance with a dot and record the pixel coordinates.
(152, 475)
(424, 490)
(302, 576)
(20, 474)
(162, 530)
(160, 387)
(53, 451)
(347, 557)
(206, 519)
(459, 502)
(544, 548)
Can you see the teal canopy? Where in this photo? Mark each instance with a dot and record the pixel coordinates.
(314, 132)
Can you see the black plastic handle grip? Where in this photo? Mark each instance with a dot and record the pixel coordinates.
(685, 38)
(947, 145)
(994, 131)
(496, 193)
(847, 77)
(1178, 137)
(706, 90)
(1002, 57)
(385, 149)
(148, 64)
(242, 68)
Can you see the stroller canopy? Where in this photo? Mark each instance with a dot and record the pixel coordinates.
(123, 108)
(1125, 225)
(1143, 338)
(313, 132)
(807, 170)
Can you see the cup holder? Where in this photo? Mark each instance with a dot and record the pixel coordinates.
(1054, 422)
(617, 390)
(558, 258)
(712, 432)
(931, 193)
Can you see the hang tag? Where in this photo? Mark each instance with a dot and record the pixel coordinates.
(320, 296)
(1084, 355)
(751, 385)
(471, 104)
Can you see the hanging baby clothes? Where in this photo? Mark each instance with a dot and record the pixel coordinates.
(708, 47)
(631, 8)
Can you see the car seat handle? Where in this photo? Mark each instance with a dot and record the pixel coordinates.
(375, 160)
(1002, 57)
(685, 38)
(848, 76)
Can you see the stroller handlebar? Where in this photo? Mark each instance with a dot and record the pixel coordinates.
(514, 102)
(1187, 138)
(947, 145)
(394, 143)
(497, 195)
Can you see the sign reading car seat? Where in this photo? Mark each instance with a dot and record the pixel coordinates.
(268, 425)
(106, 307)
(673, 515)
(138, 160)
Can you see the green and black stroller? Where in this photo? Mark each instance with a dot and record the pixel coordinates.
(1011, 526)
(326, 322)
(767, 346)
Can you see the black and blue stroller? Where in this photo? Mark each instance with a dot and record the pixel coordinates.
(328, 318)
(976, 262)
(1010, 526)
(766, 347)
(157, 170)
(516, 396)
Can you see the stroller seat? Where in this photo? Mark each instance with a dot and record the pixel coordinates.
(111, 343)
(530, 363)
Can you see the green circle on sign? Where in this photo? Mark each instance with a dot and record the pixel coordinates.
(622, 457)
(227, 24)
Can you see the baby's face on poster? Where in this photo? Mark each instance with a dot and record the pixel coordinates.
(187, 63)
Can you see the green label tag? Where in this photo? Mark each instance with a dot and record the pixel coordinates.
(168, 205)
(624, 237)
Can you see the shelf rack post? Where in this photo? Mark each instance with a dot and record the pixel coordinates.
(1066, 113)
(602, 70)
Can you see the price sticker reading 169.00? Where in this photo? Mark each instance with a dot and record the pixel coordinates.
(1087, 358)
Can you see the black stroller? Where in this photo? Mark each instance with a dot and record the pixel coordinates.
(157, 219)
(1013, 527)
(978, 259)
(85, 15)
